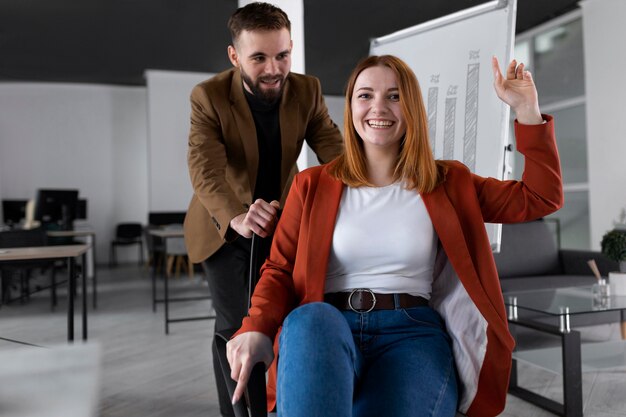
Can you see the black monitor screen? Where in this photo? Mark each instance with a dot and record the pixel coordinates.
(56, 206)
(13, 211)
(81, 209)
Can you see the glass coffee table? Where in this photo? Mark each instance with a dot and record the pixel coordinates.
(549, 311)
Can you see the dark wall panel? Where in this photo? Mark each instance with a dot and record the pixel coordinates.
(111, 41)
(114, 41)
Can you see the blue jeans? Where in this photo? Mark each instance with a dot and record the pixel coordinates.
(395, 363)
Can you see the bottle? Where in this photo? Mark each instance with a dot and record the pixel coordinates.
(600, 292)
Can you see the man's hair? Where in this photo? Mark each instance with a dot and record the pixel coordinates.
(257, 16)
(416, 164)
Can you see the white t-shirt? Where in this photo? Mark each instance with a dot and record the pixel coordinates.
(384, 240)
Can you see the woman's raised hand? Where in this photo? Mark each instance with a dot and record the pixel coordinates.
(245, 351)
(517, 90)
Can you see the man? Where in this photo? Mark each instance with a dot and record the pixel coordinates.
(247, 128)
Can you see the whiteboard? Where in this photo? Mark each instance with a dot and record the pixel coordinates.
(451, 57)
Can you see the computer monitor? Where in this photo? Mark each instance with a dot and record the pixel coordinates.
(13, 211)
(81, 209)
(56, 207)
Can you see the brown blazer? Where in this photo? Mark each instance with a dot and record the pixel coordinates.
(223, 153)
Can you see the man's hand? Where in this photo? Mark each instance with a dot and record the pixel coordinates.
(245, 351)
(261, 219)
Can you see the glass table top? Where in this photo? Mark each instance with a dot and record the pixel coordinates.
(578, 300)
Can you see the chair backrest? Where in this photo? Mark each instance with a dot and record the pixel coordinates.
(527, 249)
(129, 230)
(23, 238)
(162, 218)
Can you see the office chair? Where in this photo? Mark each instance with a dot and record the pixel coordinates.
(127, 234)
(255, 402)
(176, 251)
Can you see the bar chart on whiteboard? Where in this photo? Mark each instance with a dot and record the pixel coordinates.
(448, 113)
(451, 57)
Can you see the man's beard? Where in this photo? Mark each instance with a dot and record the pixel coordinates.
(269, 96)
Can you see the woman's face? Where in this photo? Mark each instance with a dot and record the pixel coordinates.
(376, 113)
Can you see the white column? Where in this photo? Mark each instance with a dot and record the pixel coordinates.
(605, 59)
(295, 11)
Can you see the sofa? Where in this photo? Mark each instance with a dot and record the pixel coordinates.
(530, 258)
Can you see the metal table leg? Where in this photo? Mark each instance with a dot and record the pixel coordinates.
(70, 302)
(84, 295)
(166, 296)
(95, 273)
(572, 405)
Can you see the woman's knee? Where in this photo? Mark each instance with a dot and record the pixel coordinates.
(314, 316)
(315, 322)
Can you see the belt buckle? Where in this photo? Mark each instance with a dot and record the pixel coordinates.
(361, 290)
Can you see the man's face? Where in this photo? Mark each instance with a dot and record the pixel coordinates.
(264, 59)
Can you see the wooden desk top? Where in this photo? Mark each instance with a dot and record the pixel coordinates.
(42, 252)
(70, 233)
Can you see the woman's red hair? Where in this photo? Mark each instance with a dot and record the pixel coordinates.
(416, 165)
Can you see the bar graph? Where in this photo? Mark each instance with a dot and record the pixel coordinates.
(471, 117)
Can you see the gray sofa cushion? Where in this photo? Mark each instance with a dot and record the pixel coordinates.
(527, 249)
(540, 282)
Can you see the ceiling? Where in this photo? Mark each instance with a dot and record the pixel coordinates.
(114, 41)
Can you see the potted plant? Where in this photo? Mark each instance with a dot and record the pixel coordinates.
(614, 247)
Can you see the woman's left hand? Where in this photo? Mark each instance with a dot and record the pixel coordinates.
(243, 352)
(517, 90)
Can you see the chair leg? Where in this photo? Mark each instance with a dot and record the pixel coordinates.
(170, 263)
(140, 253)
(190, 267)
(179, 262)
(53, 287)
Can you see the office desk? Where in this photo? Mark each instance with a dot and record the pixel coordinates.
(69, 252)
(91, 234)
(168, 234)
(56, 381)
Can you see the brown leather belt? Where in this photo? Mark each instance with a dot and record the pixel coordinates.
(363, 300)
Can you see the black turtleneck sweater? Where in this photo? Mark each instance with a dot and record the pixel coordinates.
(268, 138)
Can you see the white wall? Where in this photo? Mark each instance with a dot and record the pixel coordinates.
(92, 138)
(605, 59)
(335, 106)
(168, 126)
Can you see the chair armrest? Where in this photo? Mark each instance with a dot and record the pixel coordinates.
(256, 394)
(574, 262)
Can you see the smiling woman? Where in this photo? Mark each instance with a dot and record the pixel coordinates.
(381, 267)
(386, 86)
(378, 119)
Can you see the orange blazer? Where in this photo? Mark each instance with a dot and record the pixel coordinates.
(466, 288)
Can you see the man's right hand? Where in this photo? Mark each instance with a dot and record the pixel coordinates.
(261, 219)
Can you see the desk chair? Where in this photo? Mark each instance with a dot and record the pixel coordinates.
(255, 402)
(127, 234)
(176, 251)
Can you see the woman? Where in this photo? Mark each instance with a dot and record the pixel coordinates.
(413, 322)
